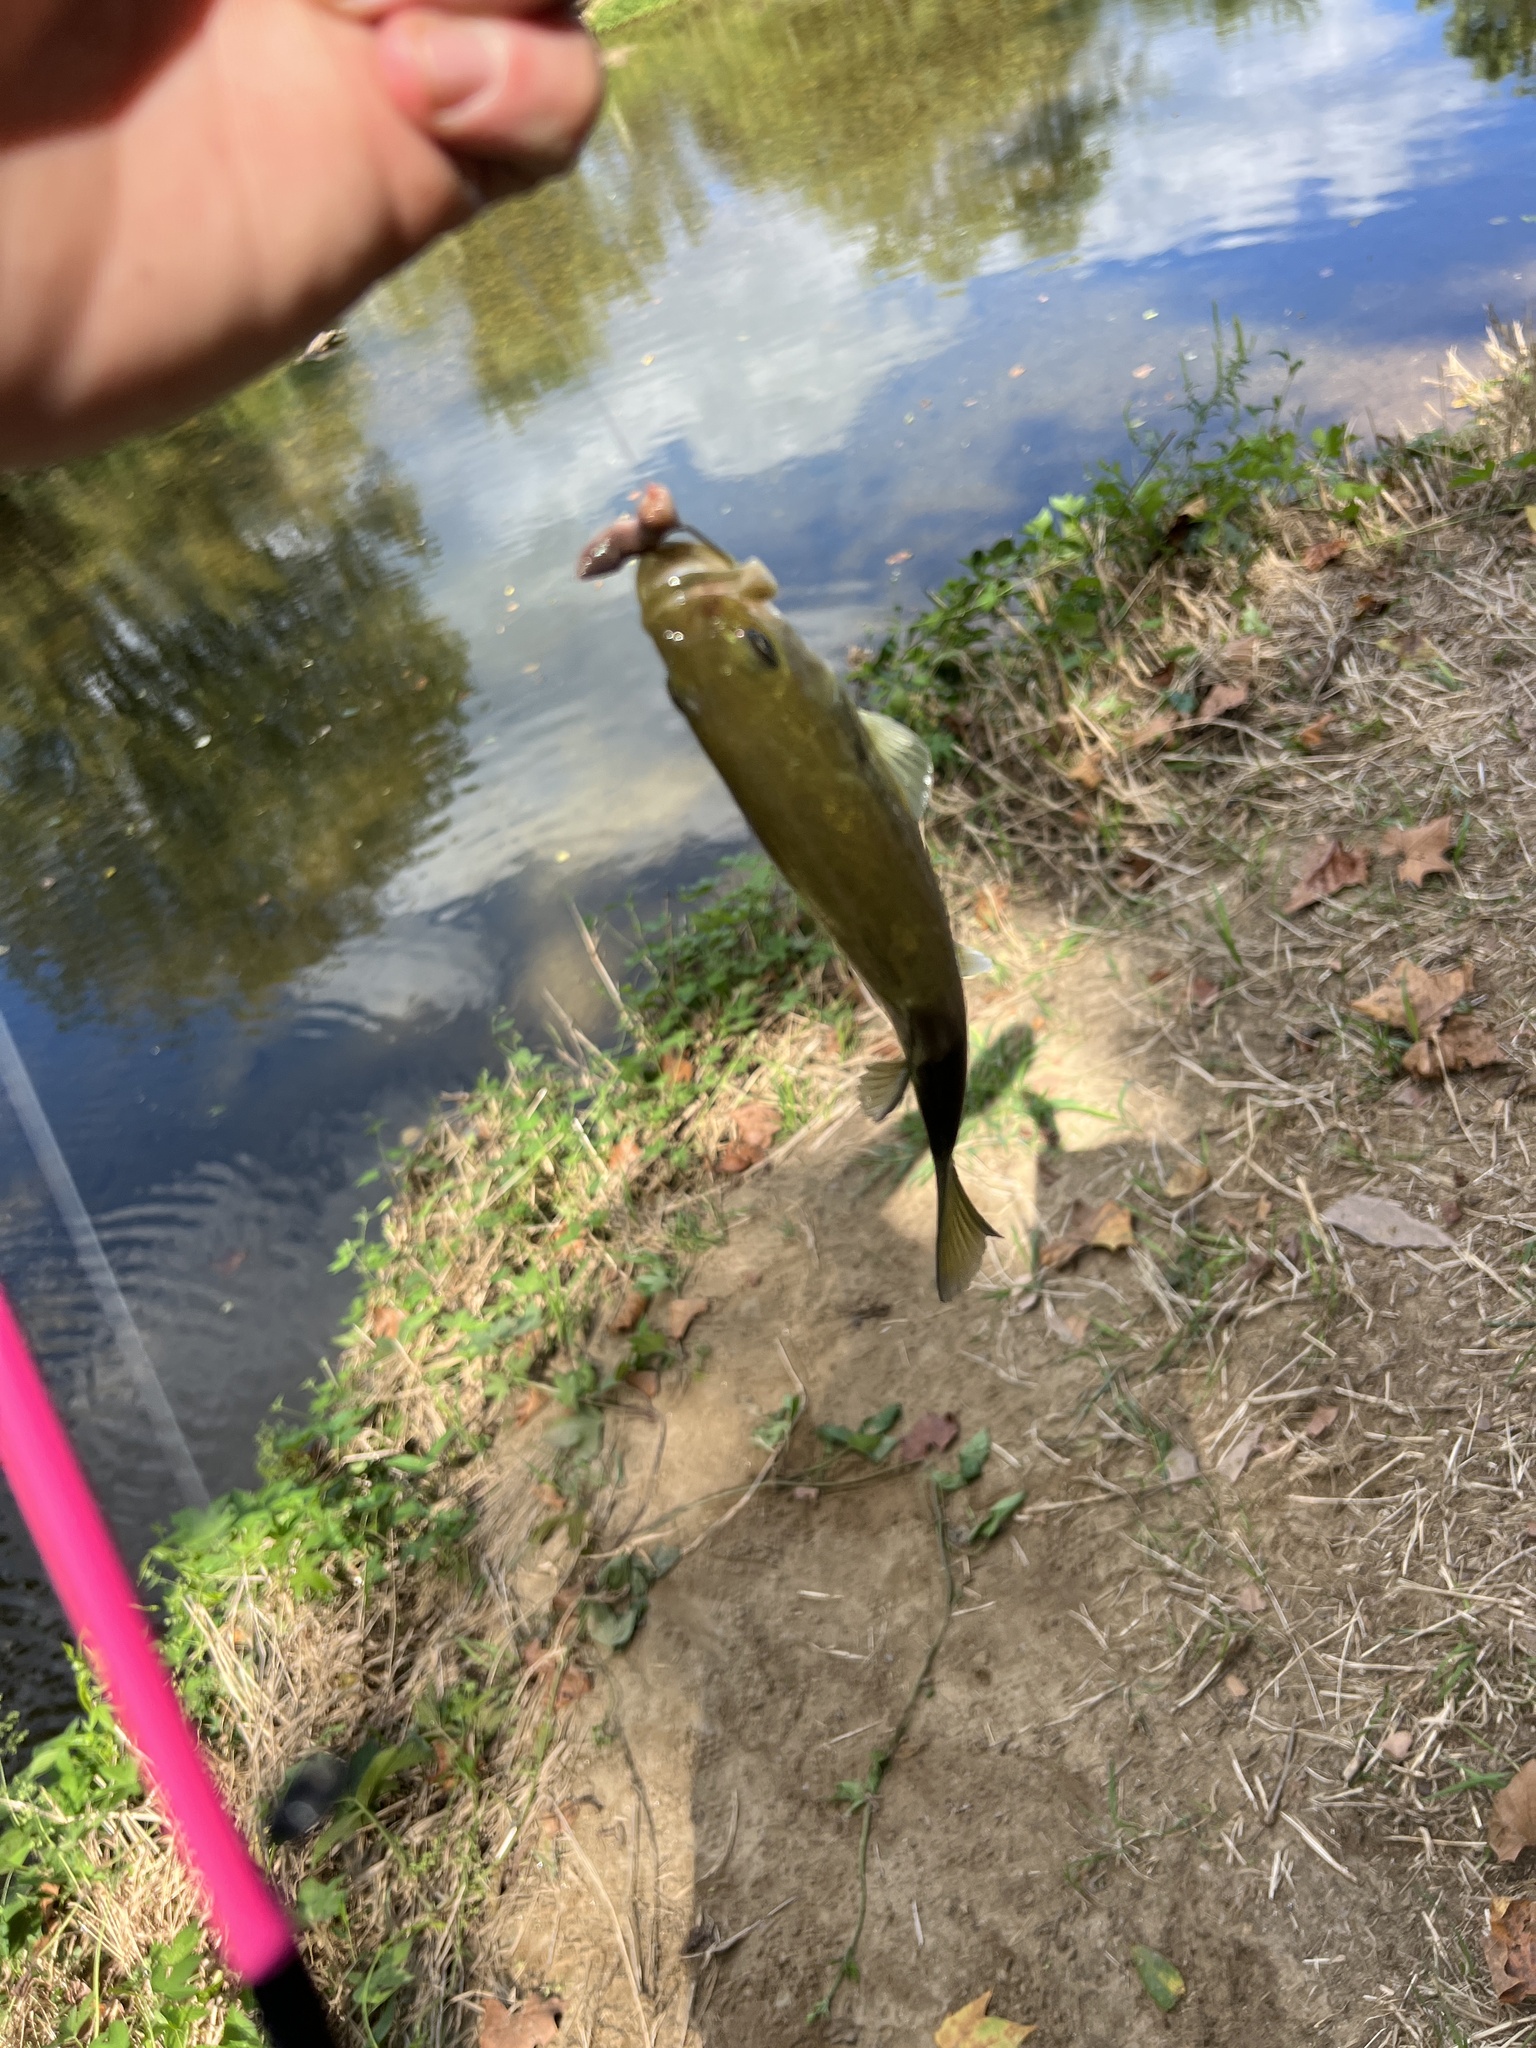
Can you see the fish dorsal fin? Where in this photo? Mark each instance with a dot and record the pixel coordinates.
(904, 754)
(972, 962)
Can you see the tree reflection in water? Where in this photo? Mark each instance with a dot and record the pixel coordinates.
(226, 718)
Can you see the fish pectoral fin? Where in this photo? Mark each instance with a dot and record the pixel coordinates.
(963, 1234)
(881, 1087)
(905, 755)
(972, 962)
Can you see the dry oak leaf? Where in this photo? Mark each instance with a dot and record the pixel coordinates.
(736, 1157)
(1155, 729)
(385, 1320)
(1219, 700)
(1511, 1949)
(683, 1313)
(1322, 552)
(574, 1685)
(676, 1067)
(1106, 1225)
(1432, 997)
(1460, 1042)
(1512, 1816)
(1330, 867)
(534, 2025)
(1421, 849)
(529, 1404)
(1087, 770)
(629, 1312)
(757, 1123)
(970, 2027)
(928, 1433)
(1186, 1179)
(1311, 737)
(627, 1153)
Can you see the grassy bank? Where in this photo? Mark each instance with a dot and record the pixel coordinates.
(347, 1603)
(1128, 694)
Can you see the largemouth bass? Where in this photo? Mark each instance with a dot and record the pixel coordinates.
(835, 796)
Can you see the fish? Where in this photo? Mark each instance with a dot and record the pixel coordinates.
(836, 797)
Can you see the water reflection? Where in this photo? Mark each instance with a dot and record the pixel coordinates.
(1496, 37)
(225, 714)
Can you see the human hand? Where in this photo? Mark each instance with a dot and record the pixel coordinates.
(189, 188)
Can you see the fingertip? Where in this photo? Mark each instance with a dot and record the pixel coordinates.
(521, 93)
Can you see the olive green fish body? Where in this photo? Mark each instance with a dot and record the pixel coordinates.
(833, 817)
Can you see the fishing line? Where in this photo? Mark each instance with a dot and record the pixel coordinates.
(536, 300)
(97, 1268)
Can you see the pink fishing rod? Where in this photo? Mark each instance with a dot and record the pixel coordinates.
(98, 1596)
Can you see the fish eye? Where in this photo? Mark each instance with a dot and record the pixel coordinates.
(762, 647)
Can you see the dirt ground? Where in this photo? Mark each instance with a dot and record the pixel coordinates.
(1081, 1778)
(1238, 1680)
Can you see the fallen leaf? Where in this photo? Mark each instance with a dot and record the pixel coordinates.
(676, 1067)
(1397, 1744)
(971, 2028)
(627, 1153)
(1087, 770)
(1431, 997)
(551, 1496)
(928, 1433)
(1234, 1458)
(901, 555)
(683, 1313)
(1071, 1329)
(1109, 1226)
(1186, 1179)
(1370, 602)
(534, 2025)
(1460, 1042)
(757, 1123)
(1329, 867)
(1263, 1208)
(1378, 1221)
(1319, 1421)
(574, 1685)
(1512, 1816)
(1142, 370)
(1250, 1598)
(385, 1320)
(532, 1400)
(1202, 993)
(1180, 1466)
(1159, 1979)
(646, 1382)
(1233, 1687)
(1155, 729)
(1219, 700)
(1322, 552)
(1511, 1949)
(1449, 1214)
(1421, 849)
(628, 1315)
(1311, 737)
(736, 1157)
(1160, 678)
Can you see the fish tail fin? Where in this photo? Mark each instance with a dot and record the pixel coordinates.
(963, 1234)
(881, 1087)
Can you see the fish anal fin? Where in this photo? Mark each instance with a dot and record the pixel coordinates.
(881, 1087)
(905, 755)
(963, 1234)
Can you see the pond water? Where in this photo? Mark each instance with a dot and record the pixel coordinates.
(309, 740)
